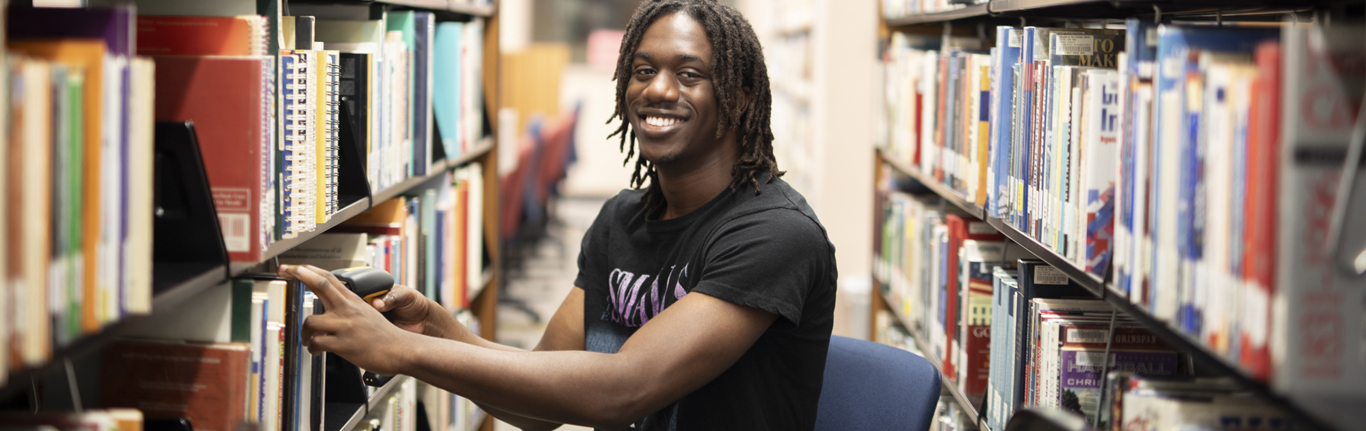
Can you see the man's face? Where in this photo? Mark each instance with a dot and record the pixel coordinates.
(670, 101)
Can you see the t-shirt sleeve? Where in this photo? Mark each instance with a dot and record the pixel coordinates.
(593, 252)
(768, 260)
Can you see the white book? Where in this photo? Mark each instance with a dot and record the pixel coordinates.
(1318, 338)
(137, 251)
(928, 111)
(474, 173)
(1100, 150)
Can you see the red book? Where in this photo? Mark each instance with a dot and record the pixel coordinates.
(959, 229)
(1259, 257)
(206, 383)
(230, 104)
(202, 35)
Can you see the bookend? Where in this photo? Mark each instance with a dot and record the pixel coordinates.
(187, 238)
(438, 148)
(352, 183)
(345, 394)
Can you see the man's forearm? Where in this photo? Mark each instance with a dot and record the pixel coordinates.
(546, 387)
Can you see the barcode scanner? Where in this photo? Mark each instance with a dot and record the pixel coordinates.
(367, 283)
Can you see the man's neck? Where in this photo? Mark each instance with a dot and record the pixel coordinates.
(687, 189)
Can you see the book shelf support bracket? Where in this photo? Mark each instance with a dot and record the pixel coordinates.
(1347, 241)
(74, 387)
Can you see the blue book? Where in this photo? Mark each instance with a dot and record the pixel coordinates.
(1141, 56)
(423, 39)
(446, 91)
(293, 130)
(1002, 291)
(1004, 58)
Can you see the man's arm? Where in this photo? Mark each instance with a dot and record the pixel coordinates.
(414, 313)
(681, 349)
(563, 332)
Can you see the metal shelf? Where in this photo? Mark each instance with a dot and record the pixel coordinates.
(949, 385)
(169, 298)
(438, 169)
(1203, 357)
(934, 185)
(1088, 280)
(973, 11)
(196, 282)
(475, 10)
(374, 402)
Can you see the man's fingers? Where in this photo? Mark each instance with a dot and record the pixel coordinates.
(323, 324)
(322, 343)
(398, 296)
(316, 283)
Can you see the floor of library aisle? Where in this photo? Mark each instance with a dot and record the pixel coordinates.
(545, 278)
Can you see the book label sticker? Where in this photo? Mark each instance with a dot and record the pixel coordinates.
(1076, 44)
(235, 236)
(1016, 39)
(1049, 275)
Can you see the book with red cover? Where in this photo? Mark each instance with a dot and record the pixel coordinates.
(960, 229)
(202, 35)
(206, 383)
(228, 101)
(1259, 256)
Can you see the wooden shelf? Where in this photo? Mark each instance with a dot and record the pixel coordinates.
(937, 187)
(973, 11)
(949, 385)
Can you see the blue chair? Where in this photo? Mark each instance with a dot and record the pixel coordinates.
(871, 386)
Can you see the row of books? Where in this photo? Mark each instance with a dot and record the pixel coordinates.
(250, 368)
(1036, 339)
(1149, 403)
(432, 242)
(250, 357)
(365, 87)
(892, 9)
(1174, 159)
(76, 202)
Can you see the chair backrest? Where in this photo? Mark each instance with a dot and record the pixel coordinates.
(871, 386)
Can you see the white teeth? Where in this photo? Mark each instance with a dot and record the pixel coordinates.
(661, 121)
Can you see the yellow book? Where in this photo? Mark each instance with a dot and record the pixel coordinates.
(89, 55)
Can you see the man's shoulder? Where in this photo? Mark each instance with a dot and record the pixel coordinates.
(777, 207)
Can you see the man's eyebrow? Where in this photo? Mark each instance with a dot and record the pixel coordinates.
(680, 57)
(689, 57)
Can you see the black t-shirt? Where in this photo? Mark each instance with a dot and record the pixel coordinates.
(765, 251)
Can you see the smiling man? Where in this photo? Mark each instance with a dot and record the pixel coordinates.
(705, 295)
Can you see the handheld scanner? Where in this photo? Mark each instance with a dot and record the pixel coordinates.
(366, 282)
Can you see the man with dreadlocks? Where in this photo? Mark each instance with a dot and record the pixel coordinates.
(703, 301)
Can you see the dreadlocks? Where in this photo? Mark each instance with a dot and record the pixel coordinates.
(737, 68)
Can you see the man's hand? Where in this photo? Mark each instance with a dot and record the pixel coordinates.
(350, 327)
(408, 310)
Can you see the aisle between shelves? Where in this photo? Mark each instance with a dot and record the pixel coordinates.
(1152, 167)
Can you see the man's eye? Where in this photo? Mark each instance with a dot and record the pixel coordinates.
(690, 75)
(645, 72)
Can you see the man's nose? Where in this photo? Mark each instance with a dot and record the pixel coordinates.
(663, 88)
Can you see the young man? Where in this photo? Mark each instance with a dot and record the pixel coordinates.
(703, 301)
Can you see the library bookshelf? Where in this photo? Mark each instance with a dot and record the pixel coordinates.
(1101, 284)
(175, 284)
